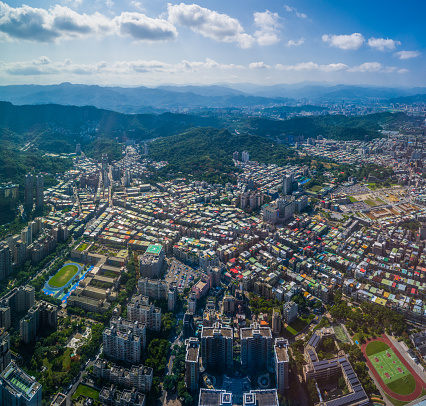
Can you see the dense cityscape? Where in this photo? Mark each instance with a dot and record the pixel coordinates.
(281, 287)
(212, 203)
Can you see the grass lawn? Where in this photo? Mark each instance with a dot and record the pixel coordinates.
(370, 202)
(352, 199)
(396, 402)
(374, 347)
(82, 247)
(316, 188)
(62, 277)
(291, 330)
(86, 391)
(297, 325)
(403, 386)
(379, 200)
(341, 334)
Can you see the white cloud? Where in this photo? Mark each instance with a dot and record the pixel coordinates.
(383, 44)
(209, 23)
(268, 27)
(138, 5)
(73, 3)
(367, 67)
(407, 54)
(293, 10)
(403, 71)
(307, 66)
(353, 41)
(44, 66)
(60, 22)
(258, 65)
(144, 28)
(295, 43)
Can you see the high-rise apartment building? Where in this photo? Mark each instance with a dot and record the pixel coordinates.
(121, 346)
(245, 156)
(151, 263)
(5, 261)
(5, 354)
(18, 389)
(256, 346)
(39, 317)
(39, 191)
(290, 310)
(192, 367)
(281, 364)
(217, 346)
(288, 184)
(28, 325)
(136, 328)
(29, 190)
(5, 319)
(158, 289)
(276, 322)
(140, 310)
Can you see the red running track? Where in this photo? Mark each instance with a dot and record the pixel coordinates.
(420, 384)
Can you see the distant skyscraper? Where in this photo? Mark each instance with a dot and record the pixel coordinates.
(39, 191)
(78, 149)
(105, 170)
(5, 261)
(235, 155)
(288, 184)
(145, 148)
(29, 186)
(245, 156)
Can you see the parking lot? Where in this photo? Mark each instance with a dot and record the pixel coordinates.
(182, 274)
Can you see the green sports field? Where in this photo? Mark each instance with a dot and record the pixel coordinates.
(392, 371)
(62, 277)
(341, 334)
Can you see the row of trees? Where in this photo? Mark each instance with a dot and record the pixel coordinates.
(369, 318)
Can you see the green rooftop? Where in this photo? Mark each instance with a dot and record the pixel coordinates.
(154, 249)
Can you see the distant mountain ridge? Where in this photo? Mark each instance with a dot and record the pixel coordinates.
(131, 100)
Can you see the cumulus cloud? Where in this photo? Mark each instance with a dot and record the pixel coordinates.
(382, 44)
(307, 66)
(295, 43)
(403, 71)
(407, 54)
(293, 10)
(209, 23)
(268, 27)
(367, 67)
(141, 27)
(353, 41)
(60, 22)
(258, 65)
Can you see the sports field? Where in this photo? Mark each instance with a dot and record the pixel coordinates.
(341, 334)
(389, 367)
(63, 276)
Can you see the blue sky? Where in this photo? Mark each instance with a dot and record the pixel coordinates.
(140, 42)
